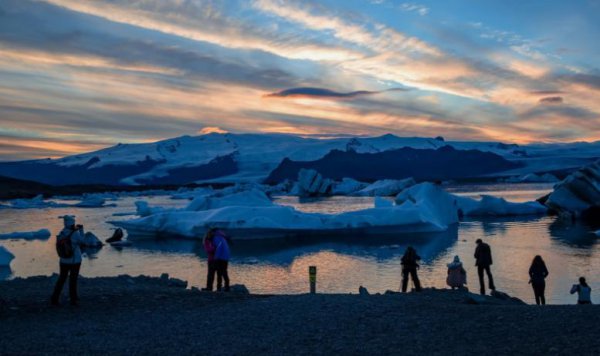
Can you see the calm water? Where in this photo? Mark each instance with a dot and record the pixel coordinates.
(343, 263)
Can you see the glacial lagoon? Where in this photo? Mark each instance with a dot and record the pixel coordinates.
(344, 263)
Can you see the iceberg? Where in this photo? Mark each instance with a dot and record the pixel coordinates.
(347, 186)
(386, 187)
(427, 207)
(311, 184)
(28, 235)
(143, 209)
(253, 197)
(494, 206)
(91, 240)
(5, 257)
(578, 195)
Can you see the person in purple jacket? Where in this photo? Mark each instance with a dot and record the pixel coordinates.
(222, 255)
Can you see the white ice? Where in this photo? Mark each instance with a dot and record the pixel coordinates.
(386, 187)
(494, 206)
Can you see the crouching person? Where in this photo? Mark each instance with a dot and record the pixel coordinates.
(68, 247)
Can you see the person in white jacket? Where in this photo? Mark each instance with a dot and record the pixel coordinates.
(69, 267)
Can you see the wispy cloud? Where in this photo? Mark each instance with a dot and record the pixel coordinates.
(325, 93)
(418, 8)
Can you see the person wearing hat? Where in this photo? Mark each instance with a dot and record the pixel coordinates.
(70, 263)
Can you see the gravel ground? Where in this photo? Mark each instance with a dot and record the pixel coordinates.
(143, 315)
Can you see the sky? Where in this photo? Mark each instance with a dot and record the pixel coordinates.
(77, 76)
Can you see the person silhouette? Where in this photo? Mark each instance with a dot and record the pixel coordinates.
(409, 267)
(537, 275)
(483, 261)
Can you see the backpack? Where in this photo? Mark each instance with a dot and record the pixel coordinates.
(64, 247)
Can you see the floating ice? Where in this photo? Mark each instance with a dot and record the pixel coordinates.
(493, 206)
(27, 235)
(578, 194)
(91, 240)
(347, 186)
(311, 184)
(428, 208)
(253, 197)
(386, 187)
(5, 257)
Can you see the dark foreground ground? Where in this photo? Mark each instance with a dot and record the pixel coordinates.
(142, 315)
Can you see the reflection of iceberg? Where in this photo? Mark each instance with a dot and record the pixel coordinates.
(285, 250)
(576, 233)
(421, 208)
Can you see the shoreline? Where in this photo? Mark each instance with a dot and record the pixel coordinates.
(152, 315)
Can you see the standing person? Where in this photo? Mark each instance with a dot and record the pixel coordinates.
(68, 247)
(483, 258)
(209, 248)
(537, 275)
(583, 292)
(457, 276)
(410, 266)
(222, 255)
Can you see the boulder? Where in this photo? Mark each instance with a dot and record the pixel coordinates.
(363, 291)
(176, 282)
(239, 289)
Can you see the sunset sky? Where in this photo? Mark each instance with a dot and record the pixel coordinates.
(81, 75)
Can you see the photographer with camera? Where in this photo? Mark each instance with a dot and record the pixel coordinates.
(68, 247)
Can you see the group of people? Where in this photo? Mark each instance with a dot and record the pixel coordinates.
(216, 245)
(457, 275)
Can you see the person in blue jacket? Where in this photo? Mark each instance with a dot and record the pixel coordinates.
(222, 255)
(69, 267)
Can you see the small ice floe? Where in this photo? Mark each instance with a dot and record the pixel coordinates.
(5, 257)
(27, 235)
(386, 187)
(493, 206)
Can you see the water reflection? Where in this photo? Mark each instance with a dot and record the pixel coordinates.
(574, 233)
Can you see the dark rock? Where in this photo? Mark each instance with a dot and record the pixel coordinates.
(363, 291)
(176, 282)
(164, 277)
(239, 289)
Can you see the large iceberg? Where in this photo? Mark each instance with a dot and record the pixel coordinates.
(253, 197)
(41, 234)
(5, 257)
(578, 195)
(426, 207)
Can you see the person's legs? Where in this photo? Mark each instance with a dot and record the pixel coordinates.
(210, 276)
(73, 275)
(225, 274)
(490, 278)
(64, 270)
(542, 292)
(219, 274)
(536, 293)
(481, 284)
(415, 278)
(404, 280)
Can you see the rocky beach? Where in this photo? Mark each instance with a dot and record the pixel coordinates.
(144, 315)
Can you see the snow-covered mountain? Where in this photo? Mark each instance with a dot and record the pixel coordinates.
(252, 157)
